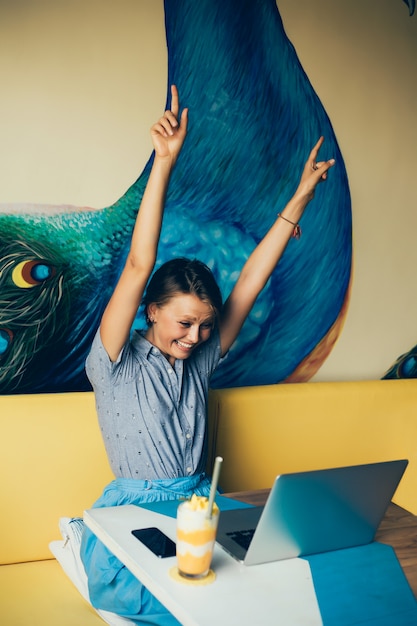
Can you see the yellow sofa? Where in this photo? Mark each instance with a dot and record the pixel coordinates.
(262, 431)
(53, 464)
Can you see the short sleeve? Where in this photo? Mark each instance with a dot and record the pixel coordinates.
(99, 367)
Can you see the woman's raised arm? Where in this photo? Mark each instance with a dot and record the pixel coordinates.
(168, 136)
(261, 263)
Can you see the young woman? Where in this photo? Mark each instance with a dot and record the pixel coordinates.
(151, 388)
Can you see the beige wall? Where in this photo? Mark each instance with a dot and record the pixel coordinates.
(82, 81)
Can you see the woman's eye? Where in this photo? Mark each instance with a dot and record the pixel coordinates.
(185, 324)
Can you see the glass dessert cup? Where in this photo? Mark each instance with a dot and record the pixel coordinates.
(196, 534)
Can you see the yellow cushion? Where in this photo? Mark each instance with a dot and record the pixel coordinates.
(264, 431)
(40, 594)
(52, 463)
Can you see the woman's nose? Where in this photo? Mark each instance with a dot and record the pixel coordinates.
(193, 333)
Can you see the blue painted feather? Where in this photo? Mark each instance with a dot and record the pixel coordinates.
(258, 118)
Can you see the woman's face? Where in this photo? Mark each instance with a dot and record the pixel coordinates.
(180, 325)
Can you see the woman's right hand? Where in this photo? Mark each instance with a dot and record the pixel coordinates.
(167, 133)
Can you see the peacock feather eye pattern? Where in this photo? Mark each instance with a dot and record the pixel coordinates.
(30, 273)
(6, 338)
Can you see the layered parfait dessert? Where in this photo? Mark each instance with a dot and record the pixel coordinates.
(196, 534)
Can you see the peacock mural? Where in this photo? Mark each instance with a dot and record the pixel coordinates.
(258, 118)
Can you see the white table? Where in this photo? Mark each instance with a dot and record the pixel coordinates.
(280, 592)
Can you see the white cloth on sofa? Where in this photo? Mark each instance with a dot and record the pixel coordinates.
(67, 553)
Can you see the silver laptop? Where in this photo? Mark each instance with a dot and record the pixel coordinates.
(312, 512)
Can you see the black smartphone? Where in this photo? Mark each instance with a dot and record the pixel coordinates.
(156, 541)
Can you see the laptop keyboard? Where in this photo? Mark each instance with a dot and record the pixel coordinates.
(242, 537)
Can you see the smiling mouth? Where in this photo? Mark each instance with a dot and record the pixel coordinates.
(184, 346)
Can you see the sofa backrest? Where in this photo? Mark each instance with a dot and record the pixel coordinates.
(264, 431)
(52, 463)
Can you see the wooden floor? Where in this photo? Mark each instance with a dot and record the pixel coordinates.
(398, 529)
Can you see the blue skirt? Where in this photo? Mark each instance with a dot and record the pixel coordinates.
(112, 587)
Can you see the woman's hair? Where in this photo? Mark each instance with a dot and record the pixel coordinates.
(182, 275)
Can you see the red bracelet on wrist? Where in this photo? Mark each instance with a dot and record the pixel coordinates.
(296, 233)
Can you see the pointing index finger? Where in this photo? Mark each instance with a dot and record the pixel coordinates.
(174, 100)
(316, 148)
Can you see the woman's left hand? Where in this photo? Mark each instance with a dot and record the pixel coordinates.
(314, 172)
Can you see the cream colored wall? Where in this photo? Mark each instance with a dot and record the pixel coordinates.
(82, 81)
